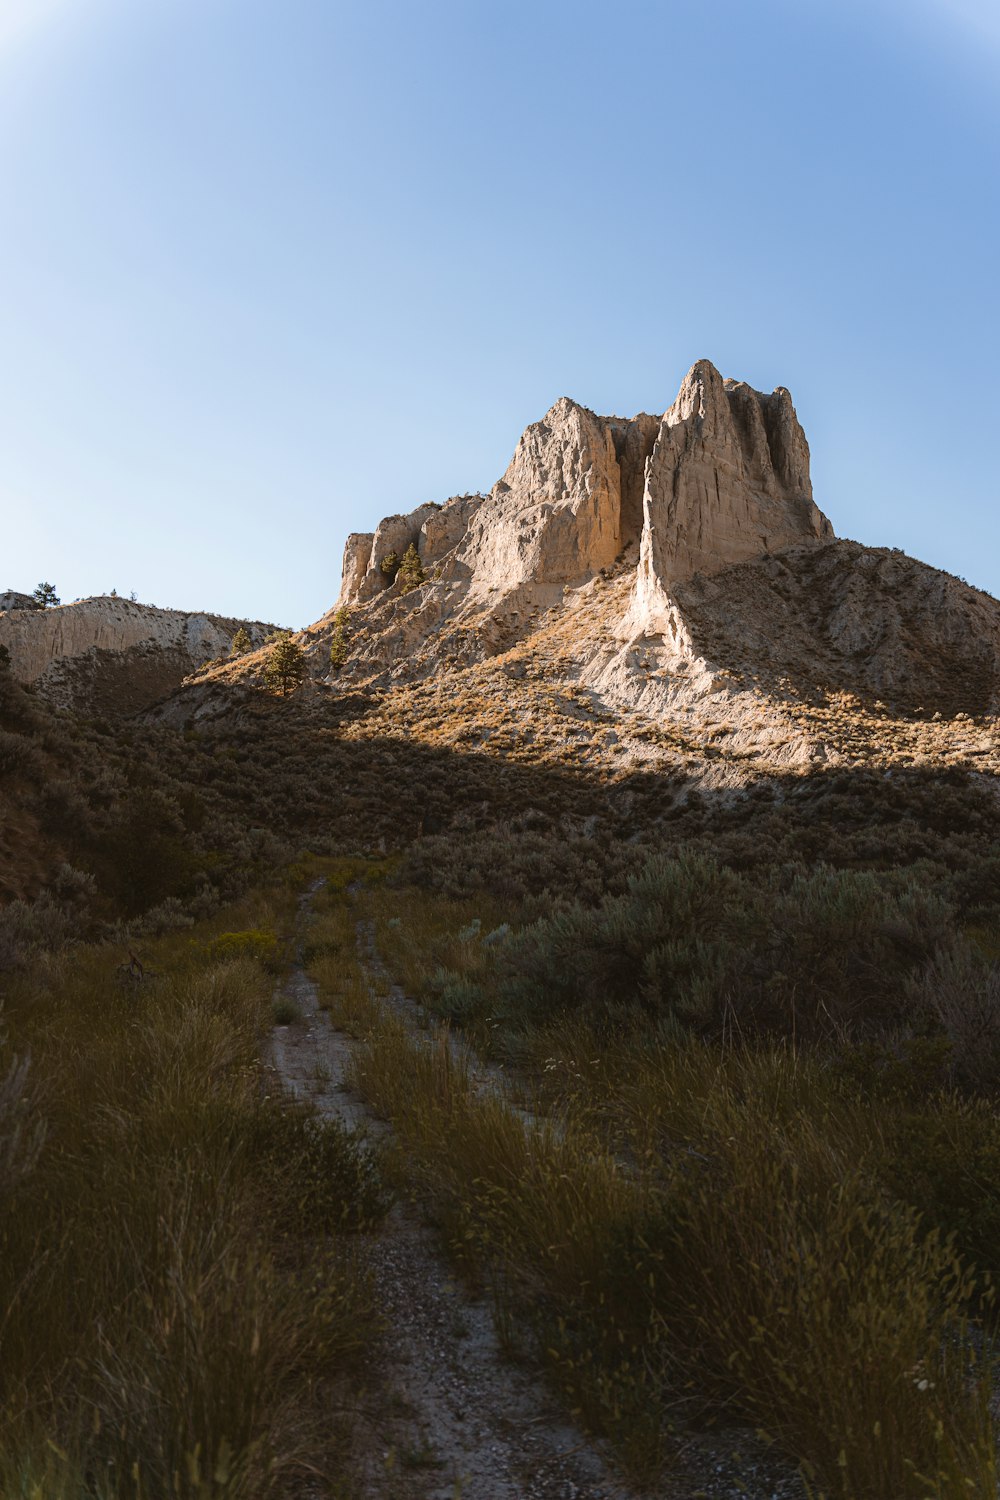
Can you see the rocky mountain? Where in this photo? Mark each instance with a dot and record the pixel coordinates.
(670, 576)
(111, 655)
(722, 477)
(685, 557)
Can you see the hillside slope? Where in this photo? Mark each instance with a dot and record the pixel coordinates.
(109, 655)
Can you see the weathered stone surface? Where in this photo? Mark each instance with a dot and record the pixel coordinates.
(13, 600)
(442, 531)
(67, 650)
(555, 516)
(634, 440)
(721, 478)
(846, 618)
(727, 481)
(357, 555)
(394, 534)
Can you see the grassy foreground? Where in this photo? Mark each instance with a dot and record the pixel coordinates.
(179, 1307)
(689, 1229)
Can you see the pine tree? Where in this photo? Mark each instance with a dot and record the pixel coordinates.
(46, 595)
(389, 566)
(286, 666)
(338, 641)
(240, 643)
(411, 571)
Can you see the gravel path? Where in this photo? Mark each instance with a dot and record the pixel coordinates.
(458, 1419)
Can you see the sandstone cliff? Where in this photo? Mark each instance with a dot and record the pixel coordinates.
(721, 477)
(111, 654)
(677, 558)
(727, 481)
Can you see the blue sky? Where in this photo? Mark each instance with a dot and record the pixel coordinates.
(271, 269)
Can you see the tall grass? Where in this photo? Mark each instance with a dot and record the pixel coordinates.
(177, 1305)
(727, 1252)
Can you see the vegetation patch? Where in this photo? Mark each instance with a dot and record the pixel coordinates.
(180, 1307)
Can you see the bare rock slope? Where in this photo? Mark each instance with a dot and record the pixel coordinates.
(721, 477)
(677, 559)
(113, 655)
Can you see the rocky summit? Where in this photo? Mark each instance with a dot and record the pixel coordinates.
(669, 560)
(721, 477)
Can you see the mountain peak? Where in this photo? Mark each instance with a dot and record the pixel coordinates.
(721, 477)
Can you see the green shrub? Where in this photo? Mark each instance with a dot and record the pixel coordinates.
(822, 953)
(286, 667)
(339, 649)
(256, 943)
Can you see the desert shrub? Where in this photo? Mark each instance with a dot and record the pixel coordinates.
(145, 853)
(823, 952)
(31, 927)
(19, 755)
(960, 990)
(255, 943)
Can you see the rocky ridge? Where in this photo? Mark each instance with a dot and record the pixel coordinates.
(723, 476)
(687, 559)
(111, 654)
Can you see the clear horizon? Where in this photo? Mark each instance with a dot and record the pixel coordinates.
(273, 273)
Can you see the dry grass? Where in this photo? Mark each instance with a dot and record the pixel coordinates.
(166, 1327)
(706, 1239)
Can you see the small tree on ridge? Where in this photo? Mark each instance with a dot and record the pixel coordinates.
(338, 641)
(411, 571)
(286, 665)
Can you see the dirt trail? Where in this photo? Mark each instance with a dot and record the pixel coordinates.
(460, 1419)
(457, 1419)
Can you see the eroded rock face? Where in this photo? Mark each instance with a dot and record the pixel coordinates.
(555, 516)
(363, 577)
(74, 652)
(634, 441)
(442, 531)
(722, 477)
(13, 600)
(727, 481)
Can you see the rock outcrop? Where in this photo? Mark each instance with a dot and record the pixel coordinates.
(113, 654)
(13, 600)
(727, 481)
(721, 477)
(677, 560)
